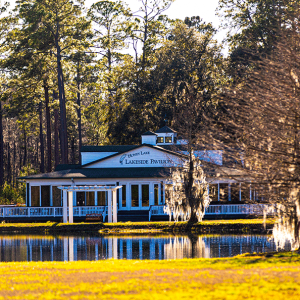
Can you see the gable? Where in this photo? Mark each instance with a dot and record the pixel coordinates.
(87, 157)
(143, 156)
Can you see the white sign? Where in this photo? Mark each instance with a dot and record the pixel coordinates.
(142, 158)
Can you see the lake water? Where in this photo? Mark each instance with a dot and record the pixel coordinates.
(73, 248)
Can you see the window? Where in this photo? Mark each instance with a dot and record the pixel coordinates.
(223, 191)
(80, 197)
(145, 195)
(161, 193)
(135, 196)
(213, 192)
(160, 139)
(90, 198)
(235, 192)
(35, 196)
(123, 195)
(245, 187)
(27, 194)
(168, 139)
(45, 195)
(168, 191)
(155, 194)
(101, 197)
(56, 196)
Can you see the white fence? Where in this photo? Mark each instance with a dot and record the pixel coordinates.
(231, 209)
(78, 211)
(239, 209)
(155, 210)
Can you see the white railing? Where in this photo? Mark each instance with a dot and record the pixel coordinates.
(240, 209)
(78, 211)
(231, 209)
(156, 210)
(82, 211)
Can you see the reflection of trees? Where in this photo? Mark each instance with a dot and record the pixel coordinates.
(186, 247)
(286, 229)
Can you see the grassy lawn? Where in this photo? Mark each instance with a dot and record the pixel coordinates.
(141, 224)
(245, 277)
(240, 226)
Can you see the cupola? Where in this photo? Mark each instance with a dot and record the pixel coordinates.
(166, 136)
(149, 137)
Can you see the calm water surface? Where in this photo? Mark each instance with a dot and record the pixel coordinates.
(73, 248)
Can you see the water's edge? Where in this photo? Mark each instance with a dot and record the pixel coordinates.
(131, 228)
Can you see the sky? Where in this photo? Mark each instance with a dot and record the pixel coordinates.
(180, 9)
(183, 8)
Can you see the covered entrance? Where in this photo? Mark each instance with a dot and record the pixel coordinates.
(111, 200)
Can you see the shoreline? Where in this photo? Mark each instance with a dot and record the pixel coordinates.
(243, 226)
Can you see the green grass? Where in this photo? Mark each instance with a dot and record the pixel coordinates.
(242, 277)
(140, 224)
(209, 226)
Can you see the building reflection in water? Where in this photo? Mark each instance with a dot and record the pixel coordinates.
(73, 248)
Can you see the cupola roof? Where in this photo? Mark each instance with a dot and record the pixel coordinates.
(165, 129)
(149, 133)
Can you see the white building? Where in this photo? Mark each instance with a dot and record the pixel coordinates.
(140, 170)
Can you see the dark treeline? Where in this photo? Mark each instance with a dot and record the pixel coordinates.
(72, 76)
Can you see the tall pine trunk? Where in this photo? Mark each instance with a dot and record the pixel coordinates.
(42, 165)
(15, 166)
(79, 107)
(25, 146)
(1, 149)
(190, 193)
(56, 130)
(8, 169)
(62, 105)
(48, 127)
(73, 152)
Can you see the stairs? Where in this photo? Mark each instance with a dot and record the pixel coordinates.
(133, 215)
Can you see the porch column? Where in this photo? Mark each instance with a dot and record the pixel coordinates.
(109, 210)
(70, 207)
(229, 192)
(115, 208)
(240, 192)
(65, 207)
(218, 191)
(29, 198)
(96, 198)
(51, 195)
